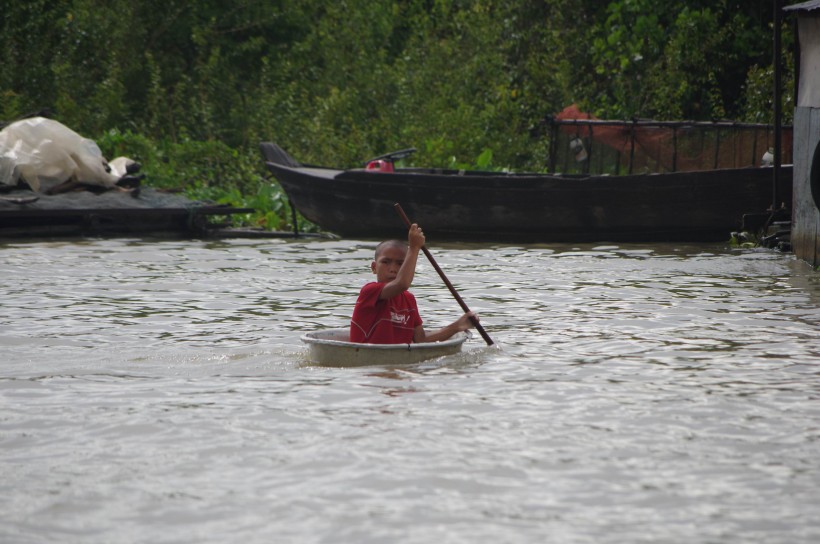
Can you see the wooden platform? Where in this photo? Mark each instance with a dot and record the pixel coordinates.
(25, 214)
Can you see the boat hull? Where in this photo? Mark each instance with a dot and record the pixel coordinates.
(681, 206)
(331, 348)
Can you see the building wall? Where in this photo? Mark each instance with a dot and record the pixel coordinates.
(808, 32)
(805, 234)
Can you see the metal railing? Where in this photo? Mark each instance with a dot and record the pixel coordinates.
(598, 147)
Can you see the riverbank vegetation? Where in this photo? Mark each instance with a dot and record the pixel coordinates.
(191, 88)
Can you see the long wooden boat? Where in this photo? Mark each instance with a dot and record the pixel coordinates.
(331, 348)
(701, 206)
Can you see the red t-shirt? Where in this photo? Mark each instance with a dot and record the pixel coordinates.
(391, 321)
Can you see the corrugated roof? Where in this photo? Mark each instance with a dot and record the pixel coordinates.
(803, 6)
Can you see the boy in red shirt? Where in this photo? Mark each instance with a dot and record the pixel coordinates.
(386, 312)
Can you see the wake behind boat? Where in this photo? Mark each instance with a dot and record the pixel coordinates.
(331, 348)
(690, 206)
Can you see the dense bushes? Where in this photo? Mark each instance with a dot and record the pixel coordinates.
(192, 87)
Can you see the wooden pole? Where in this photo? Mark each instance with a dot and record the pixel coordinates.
(449, 285)
(778, 105)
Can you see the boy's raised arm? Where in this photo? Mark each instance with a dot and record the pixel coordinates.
(404, 278)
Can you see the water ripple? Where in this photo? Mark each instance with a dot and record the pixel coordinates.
(158, 391)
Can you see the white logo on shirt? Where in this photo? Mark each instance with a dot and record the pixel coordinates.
(399, 318)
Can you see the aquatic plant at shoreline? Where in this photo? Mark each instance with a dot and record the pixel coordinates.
(211, 171)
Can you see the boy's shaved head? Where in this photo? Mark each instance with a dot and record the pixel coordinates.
(390, 243)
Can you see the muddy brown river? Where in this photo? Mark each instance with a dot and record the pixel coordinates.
(158, 391)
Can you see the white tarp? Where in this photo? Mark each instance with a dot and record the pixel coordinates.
(44, 153)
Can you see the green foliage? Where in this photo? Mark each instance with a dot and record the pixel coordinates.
(207, 171)
(194, 86)
(187, 164)
(757, 104)
(271, 209)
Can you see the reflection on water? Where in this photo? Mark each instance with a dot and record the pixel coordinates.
(159, 392)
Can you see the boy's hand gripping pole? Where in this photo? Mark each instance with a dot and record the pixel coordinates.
(449, 285)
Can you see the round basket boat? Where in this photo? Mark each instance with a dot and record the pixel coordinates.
(331, 348)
